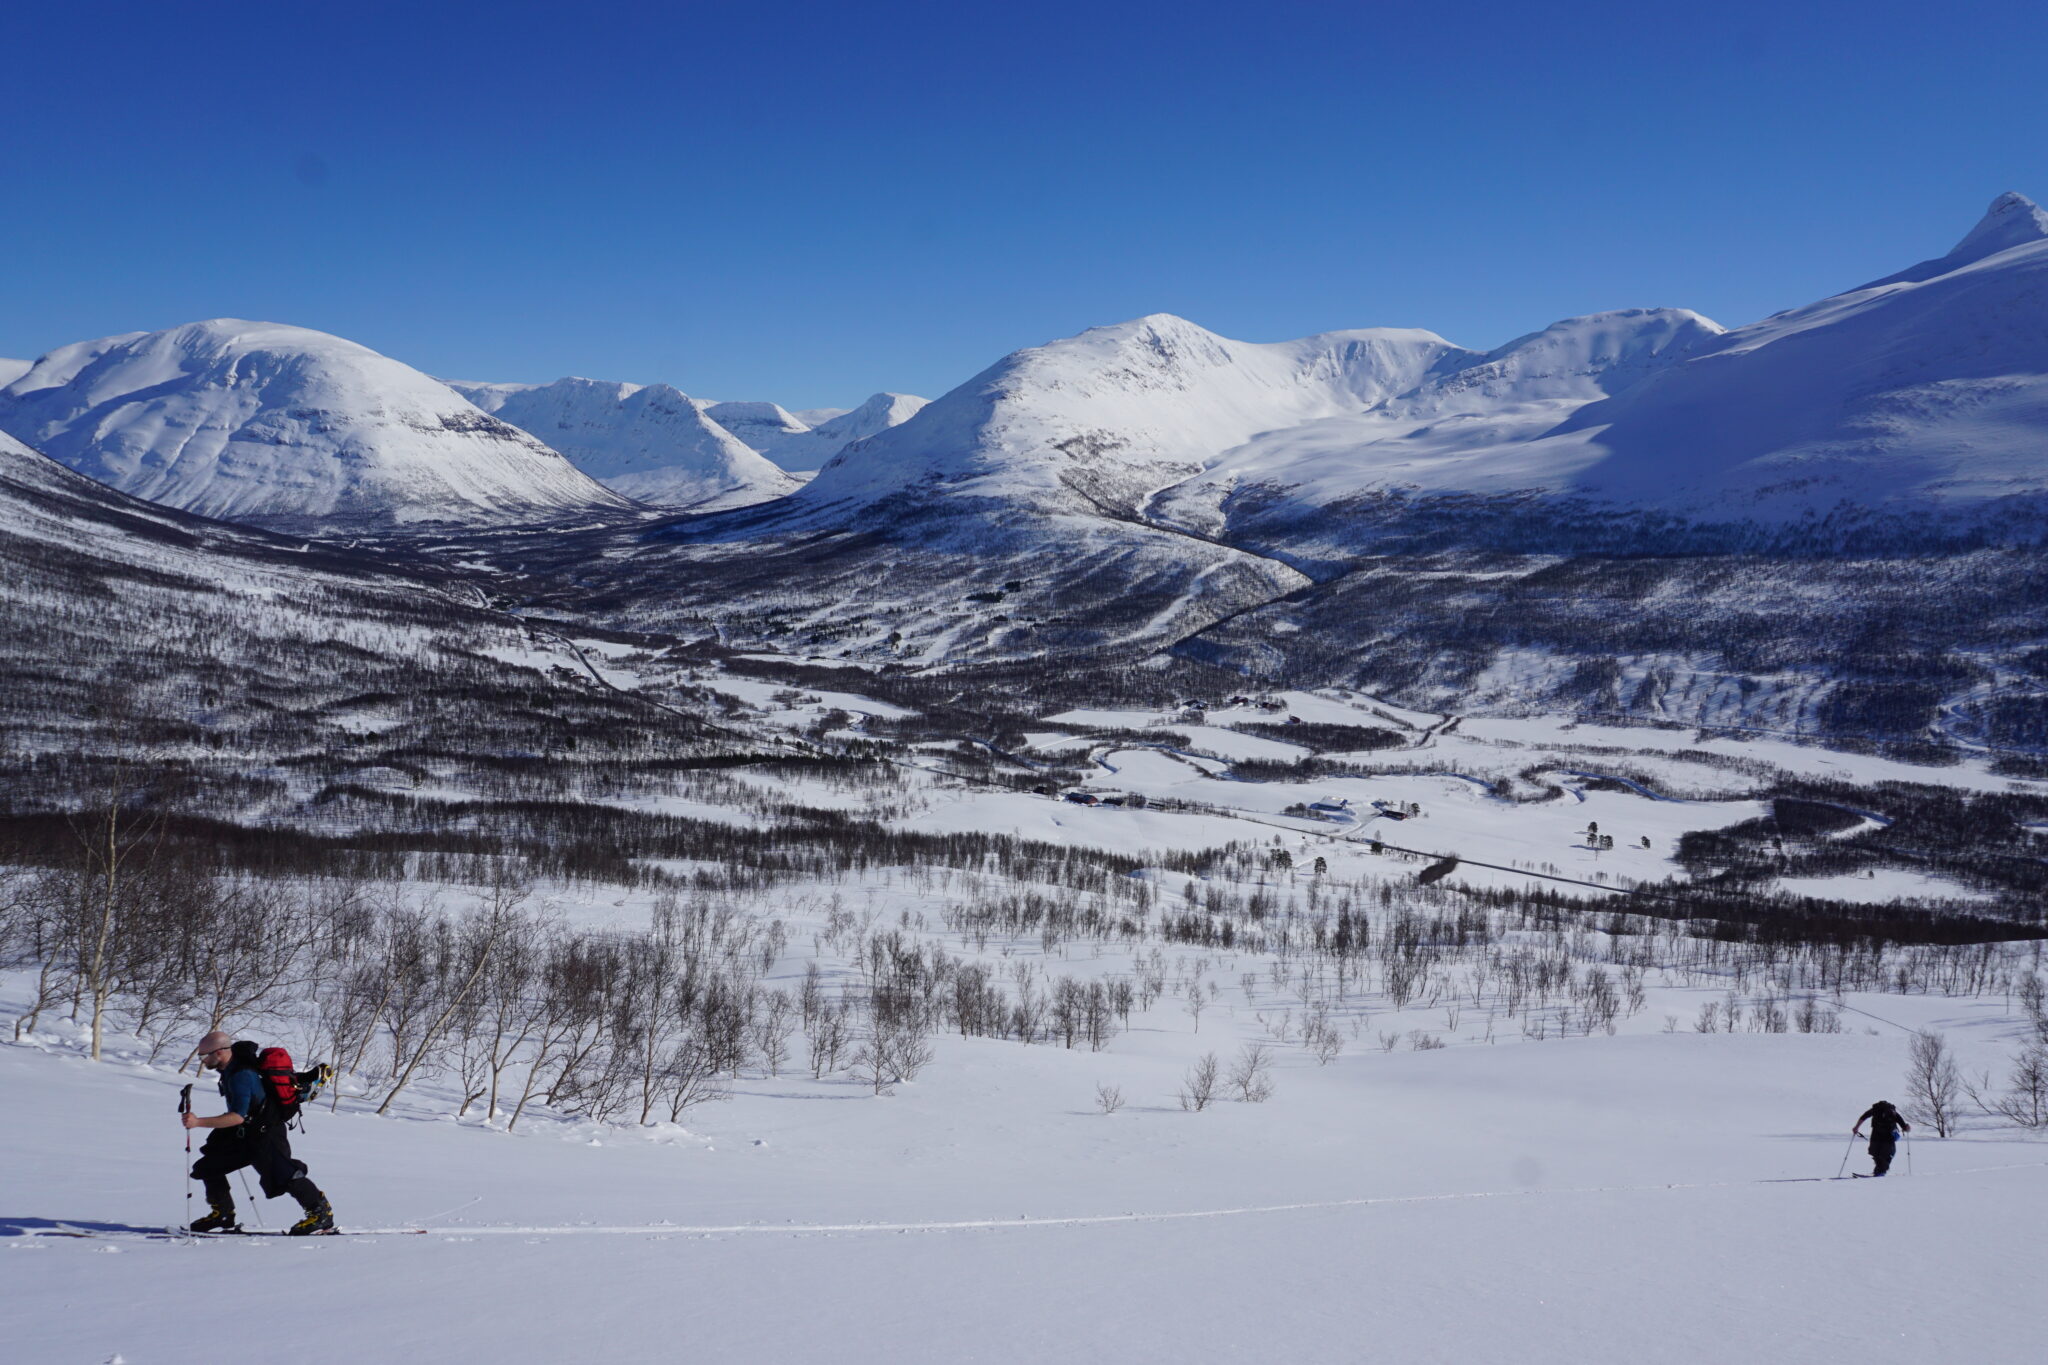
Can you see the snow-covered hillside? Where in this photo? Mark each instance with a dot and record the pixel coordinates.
(11, 370)
(761, 426)
(650, 442)
(284, 426)
(1466, 428)
(1105, 418)
(1651, 1198)
(1926, 389)
(834, 430)
(221, 651)
(1929, 386)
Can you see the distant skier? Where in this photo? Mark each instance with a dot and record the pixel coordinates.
(1885, 1123)
(250, 1133)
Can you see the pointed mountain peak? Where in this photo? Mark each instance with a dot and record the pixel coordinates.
(2012, 220)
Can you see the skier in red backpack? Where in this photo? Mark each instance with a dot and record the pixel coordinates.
(250, 1133)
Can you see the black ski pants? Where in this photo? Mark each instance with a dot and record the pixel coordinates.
(1883, 1147)
(266, 1148)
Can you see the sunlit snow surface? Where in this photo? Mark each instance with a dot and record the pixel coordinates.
(1570, 1200)
(1925, 388)
(650, 442)
(260, 422)
(1586, 1200)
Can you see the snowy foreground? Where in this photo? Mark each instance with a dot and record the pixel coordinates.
(1647, 1197)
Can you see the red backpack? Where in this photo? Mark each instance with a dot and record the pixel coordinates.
(289, 1090)
(280, 1081)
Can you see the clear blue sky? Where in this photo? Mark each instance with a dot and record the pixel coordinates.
(809, 202)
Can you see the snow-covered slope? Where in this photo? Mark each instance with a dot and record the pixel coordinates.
(834, 431)
(1117, 412)
(11, 370)
(650, 442)
(111, 606)
(1927, 389)
(2012, 220)
(1467, 427)
(761, 426)
(280, 425)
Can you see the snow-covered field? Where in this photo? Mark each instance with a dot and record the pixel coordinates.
(1648, 1197)
(1658, 1194)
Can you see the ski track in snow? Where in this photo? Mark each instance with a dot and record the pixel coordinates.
(1078, 1220)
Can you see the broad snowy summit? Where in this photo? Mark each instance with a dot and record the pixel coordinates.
(285, 426)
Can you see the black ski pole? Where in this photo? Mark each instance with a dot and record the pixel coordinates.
(1846, 1152)
(184, 1108)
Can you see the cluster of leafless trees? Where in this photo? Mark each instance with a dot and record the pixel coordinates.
(502, 1005)
(1938, 1086)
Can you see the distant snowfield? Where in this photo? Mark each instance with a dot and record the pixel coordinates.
(1458, 818)
(1882, 889)
(815, 704)
(1663, 784)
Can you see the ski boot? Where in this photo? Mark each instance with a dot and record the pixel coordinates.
(220, 1218)
(318, 1222)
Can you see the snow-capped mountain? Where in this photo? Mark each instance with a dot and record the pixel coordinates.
(2012, 220)
(1924, 391)
(11, 370)
(283, 426)
(1928, 389)
(661, 446)
(1633, 512)
(1107, 418)
(650, 442)
(834, 430)
(1470, 426)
